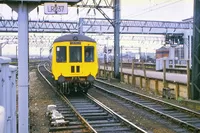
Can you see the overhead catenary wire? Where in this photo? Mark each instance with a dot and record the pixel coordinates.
(153, 8)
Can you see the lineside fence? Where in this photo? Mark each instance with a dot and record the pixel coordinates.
(8, 99)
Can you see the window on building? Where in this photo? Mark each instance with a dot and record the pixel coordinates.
(61, 54)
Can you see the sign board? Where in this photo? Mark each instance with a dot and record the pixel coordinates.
(55, 8)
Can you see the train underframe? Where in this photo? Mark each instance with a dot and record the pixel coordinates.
(74, 84)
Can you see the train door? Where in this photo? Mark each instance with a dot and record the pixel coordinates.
(75, 59)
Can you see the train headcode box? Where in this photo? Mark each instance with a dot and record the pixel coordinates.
(55, 8)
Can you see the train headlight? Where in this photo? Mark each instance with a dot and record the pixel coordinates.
(90, 78)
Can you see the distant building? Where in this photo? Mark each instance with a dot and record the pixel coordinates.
(162, 52)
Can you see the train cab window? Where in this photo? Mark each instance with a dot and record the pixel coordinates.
(75, 54)
(61, 54)
(89, 54)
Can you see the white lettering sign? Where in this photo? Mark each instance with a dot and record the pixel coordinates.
(55, 8)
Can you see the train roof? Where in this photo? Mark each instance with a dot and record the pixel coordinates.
(73, 37)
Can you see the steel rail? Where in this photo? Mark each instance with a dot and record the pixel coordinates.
(115, 115)
(154, 99)
(67, 101)
(172, 106)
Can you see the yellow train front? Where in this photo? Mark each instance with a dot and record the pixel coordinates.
(74, 63)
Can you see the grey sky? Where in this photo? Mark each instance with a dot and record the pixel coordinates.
(166, 10)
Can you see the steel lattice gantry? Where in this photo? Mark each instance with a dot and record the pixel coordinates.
(98, 25)
(196, 53)
(45, 40)
(34, 40)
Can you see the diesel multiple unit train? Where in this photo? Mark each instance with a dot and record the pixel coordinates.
(74, 63)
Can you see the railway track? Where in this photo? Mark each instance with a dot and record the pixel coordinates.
(185, 119)
(74, 121)
(93, 115)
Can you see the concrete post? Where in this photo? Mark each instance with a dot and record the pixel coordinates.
(0, 49)
(4, 90)
(188, 79)
(121, 66)
(164, 73)
(133, 76)
(23, 56)
(23, 81)
(2, 119)
(13, 99)
(116, 37)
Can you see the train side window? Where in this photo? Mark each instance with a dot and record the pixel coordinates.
(75, 54)
(89, 54)
(61, 54)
